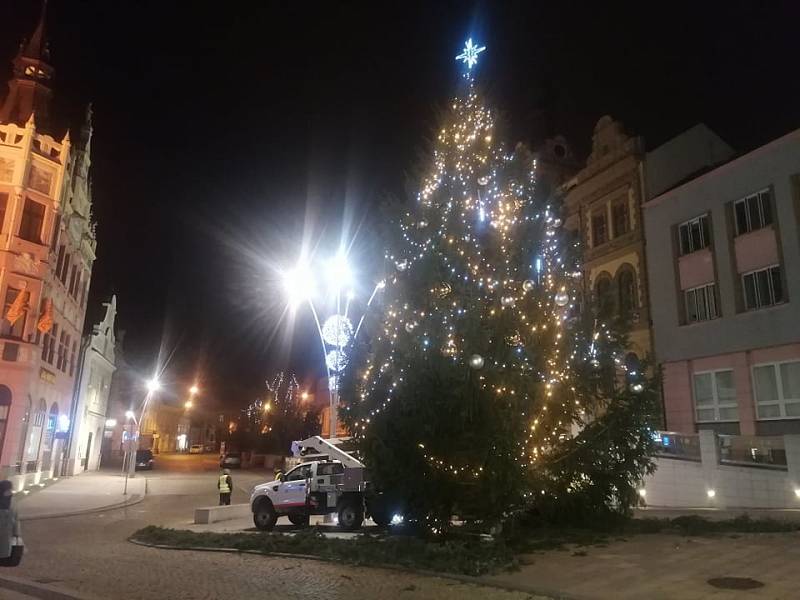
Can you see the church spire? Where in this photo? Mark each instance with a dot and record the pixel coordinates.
(29, 89)
(36, 48)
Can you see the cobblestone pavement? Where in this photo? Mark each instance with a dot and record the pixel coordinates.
(90, 554)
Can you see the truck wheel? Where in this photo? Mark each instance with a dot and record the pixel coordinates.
(299, 519)
(351, 515)
(265, 517)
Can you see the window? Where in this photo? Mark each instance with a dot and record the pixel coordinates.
(3, 205)
(715, 397)
(627, 292)
(51, 350)
(30, 227)
(62, 354)
(72, 277)
(701, 303)
(60, 261)
(18, 328)
(330, 469)
(72, 359)
(619, 215)
(752, 212)
(694, 235)
(64, 270)
(777, 390)
(599, 229)
(299, 474)
(762, 288)
(40, 180)
(56, 231)
(605, 301)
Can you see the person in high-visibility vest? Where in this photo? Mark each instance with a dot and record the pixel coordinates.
(225, 485)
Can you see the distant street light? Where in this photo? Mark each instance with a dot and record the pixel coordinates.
(129, 415)
(194, 390)
(188, 404)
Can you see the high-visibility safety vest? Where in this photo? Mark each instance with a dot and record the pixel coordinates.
(224, 488)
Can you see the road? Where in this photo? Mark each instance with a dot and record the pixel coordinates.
(89, 554)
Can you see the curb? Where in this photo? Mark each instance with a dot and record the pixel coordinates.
(134, 499)
(40, 590)
(479, 581)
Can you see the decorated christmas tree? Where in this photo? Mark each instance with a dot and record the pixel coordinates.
(489, 386)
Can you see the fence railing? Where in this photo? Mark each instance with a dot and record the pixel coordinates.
(753, 451)
(678, 445)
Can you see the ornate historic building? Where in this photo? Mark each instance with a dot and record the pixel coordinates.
(47, 248)
(603, 204)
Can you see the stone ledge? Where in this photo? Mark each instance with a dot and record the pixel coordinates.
(213, 514)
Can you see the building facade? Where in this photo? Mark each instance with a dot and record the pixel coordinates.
(47, 249)
(91, 395)
(724, 260)
(603, 205)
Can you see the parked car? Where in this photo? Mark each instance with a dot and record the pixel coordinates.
(144, 460)
(196, 449)
(231, 460)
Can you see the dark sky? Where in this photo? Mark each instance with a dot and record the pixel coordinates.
(227, 133)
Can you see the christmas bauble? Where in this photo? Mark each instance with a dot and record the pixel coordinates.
(422, 224)
(410, 326)
(476, 361)
(444, 290)
(595, 363)
(401, 265)
(556, 222)
(528, 285)
(507, 301)
(483, 180)
(561, 299)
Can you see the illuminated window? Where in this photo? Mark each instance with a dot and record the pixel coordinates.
(18, 328)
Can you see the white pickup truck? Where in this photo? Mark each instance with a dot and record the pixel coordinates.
(331, 481)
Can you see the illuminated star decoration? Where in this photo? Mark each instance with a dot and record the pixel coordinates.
(470, 54)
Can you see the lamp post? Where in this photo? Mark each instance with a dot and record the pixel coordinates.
(153, 386)
(337, 331)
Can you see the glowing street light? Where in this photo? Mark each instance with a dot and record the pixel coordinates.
(299, 284)
(188, 404)
(129, 415)
(194, 390)
(153, 385)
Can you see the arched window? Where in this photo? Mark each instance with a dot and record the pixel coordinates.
(5, 407)
(603, 296)
(626, 284)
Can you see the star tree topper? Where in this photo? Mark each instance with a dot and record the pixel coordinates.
(470, 54)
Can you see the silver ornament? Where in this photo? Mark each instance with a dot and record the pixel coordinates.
(401, 265)
(556, 222)
(528, 285)
(410, 326)
(476, 361)
(483, 180)
(561, 299)
(595, 363)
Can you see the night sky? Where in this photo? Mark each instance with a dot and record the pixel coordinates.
(226, 134)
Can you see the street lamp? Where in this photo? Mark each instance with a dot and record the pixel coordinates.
(153, 385)
(338, 330)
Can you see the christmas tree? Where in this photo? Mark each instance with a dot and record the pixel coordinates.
(489, 385)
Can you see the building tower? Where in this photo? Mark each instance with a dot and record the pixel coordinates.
(47, 248)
